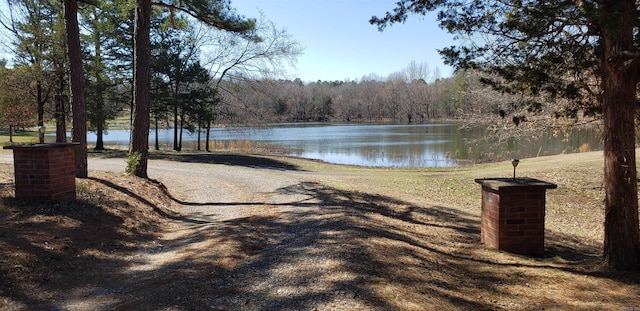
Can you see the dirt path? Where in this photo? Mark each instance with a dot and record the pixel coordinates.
(258, 233)
(254, 229)
(293, 252)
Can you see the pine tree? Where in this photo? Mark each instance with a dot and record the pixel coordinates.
(78, 104)
(215, 13)
(582, 51)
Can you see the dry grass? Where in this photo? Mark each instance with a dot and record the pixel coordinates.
(577, 201)
(238, 145)
(425, 251)
(410, 237)
(48, 250)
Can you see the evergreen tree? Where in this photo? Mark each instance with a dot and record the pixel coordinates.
(173, 54)
(215, 13)
(38, 29)
(583, 51)
(78, 105)
(108, 75)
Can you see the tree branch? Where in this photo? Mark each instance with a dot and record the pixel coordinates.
(234, 24)
(629, 55)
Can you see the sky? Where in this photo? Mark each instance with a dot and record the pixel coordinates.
(340, 44)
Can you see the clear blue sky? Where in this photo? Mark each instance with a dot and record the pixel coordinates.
(340, 43)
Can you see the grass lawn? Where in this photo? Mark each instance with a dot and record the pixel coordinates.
(412, 240)
(22, 137)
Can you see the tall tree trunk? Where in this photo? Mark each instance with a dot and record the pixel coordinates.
(99, 114)
(199, 133)
(206, 146)
(79, 110)
(99, 136)
(157, 142)
(61, 120)
(622, 233)
(40, 107)
(181, 127)
(139, 147)
(10, 133)
(100, 119)
(175, 128)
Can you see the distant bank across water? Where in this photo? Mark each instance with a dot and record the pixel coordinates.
(386, 145)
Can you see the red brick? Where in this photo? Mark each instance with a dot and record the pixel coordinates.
(514, 233)
(538, 220)
(513, 219)
(530, 215)
(537, 228)
(45, 172)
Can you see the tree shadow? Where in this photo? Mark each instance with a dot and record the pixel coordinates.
(250, 161)
(6, 186)
(231, 159)
(334, 249)
(108, 153)
(49, 250)
(318, 247)
(55, 252)
(569, 248)
(164, 213)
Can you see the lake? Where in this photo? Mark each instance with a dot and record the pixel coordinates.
(386, 145)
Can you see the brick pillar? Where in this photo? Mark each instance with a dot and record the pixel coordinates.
(45, 171)
(512, 216)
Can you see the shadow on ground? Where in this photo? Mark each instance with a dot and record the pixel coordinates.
(231, 159)
(49, 250)
(337, 250)
(71, 255)
(330, 250)
(161, 212)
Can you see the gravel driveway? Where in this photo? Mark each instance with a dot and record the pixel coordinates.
(300, 248)
(296, 244)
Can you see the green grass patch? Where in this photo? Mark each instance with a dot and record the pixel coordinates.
(22, 137)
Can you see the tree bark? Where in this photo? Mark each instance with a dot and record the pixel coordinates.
(199, 129)
(175, 128)
(139, 146)
(181, 127)
(61, 115)
(619, 79)
(157, 141)
(99, 136)
(78, 106)
(206, 146)
(61, 122)
(40, 108)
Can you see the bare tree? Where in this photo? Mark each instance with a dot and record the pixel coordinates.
(417, 71)
(233, 57)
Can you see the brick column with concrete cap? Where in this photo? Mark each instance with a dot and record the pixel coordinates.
(512, 216)
(44, 171)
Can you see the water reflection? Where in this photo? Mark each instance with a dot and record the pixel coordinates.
(530, 143)
(424, 145)
(370, 145)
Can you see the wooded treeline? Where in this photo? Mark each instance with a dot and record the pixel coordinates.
(204, 77)
(559, 58)
(189, 61)
(396, 98)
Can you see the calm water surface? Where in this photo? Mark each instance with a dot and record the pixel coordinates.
(423, 145)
